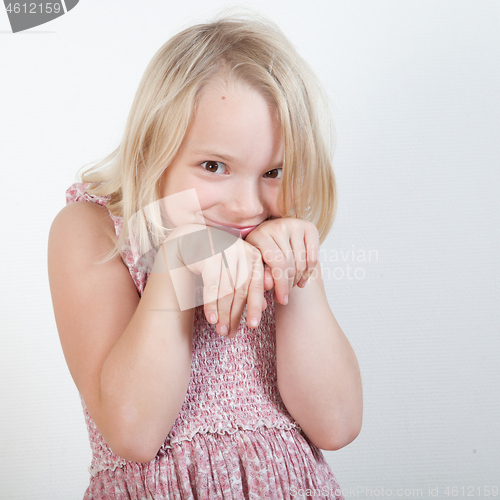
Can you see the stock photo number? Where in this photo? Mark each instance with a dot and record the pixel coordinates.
(471, 491)
(34, 8)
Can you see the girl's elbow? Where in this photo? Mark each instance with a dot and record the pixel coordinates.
(343, 434)
(139, 454)
(341, 440)
(137, 449)
(135, 443)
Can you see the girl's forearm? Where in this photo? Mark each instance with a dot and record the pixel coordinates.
(318, 374)
(145, 377)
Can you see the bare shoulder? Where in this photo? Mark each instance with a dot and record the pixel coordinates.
(83, 220)
(93, 301)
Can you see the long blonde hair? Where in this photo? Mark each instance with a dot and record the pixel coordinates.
(254, 51)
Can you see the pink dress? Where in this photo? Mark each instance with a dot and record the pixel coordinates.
(233, 438)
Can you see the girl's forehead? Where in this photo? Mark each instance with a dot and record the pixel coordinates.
(224, 88)
(221, 86)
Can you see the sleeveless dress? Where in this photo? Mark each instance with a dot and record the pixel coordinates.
(233, 438)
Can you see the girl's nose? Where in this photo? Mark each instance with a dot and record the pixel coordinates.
(245, 203)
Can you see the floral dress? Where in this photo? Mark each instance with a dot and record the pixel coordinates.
(233, 438)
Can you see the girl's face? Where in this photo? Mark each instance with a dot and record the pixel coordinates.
(232, 156)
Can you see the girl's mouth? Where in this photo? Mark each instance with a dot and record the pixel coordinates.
(246, 231)
(237, 231)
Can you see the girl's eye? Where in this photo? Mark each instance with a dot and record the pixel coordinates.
(274, 174)
(212, 166)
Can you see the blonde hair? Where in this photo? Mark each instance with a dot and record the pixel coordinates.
(255, 51)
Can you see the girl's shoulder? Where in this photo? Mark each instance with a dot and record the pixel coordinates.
(86, 218)
(77, 192)
(81, 227)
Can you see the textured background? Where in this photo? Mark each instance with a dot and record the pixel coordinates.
(411, 265)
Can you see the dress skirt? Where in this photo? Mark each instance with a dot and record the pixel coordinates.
(267, 463)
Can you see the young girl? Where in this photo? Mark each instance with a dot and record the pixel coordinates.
(232, 396)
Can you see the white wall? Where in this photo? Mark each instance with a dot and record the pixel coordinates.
(415, 87)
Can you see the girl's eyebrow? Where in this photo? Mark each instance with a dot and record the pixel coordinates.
(222, 156)
(226, 157)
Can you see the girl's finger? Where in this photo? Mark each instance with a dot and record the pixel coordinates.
(224, 303)
(240, 296)
(311, 239)
(239, 266)
(211, 276)
(297, 241)
(268, 278)
(255, 292)
(283, 266)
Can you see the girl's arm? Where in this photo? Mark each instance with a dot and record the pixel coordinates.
(318, 374)
(130, 359)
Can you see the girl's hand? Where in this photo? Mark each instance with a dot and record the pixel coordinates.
(231, 269)
(290, 248)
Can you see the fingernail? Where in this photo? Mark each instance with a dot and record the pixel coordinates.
(254, 322)
(285, 300)
(223, 330)
(213, 318)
